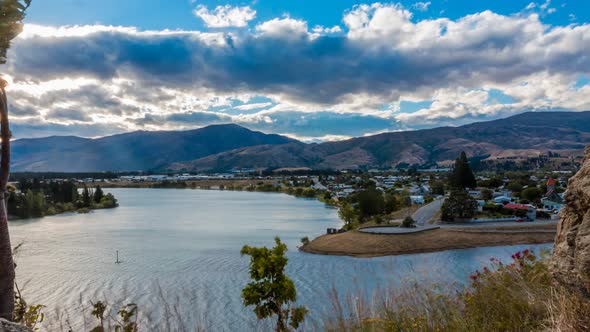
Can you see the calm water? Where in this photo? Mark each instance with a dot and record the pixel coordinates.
(183, 245)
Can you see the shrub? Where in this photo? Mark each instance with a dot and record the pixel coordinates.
(518, 296)
(408, 222)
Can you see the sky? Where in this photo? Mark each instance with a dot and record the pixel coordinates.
(312, 70)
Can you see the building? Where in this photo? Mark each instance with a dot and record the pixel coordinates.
(418, 199)
(552, 200)
(531, 211)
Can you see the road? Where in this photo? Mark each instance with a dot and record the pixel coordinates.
(427, 212)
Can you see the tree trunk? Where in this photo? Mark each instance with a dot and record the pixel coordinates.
(6, 262)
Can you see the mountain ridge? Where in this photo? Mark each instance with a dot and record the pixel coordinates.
(528, 133)
(225, 146)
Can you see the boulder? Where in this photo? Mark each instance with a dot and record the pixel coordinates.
(6, 326)
(570, 263)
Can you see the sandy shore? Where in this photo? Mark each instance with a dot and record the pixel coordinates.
(359, 244)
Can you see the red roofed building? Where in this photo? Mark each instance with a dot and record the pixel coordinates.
(552, 200)
(531, 211)
(550, 184)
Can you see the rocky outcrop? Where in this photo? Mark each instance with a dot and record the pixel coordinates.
(6, 326)
(570, 264)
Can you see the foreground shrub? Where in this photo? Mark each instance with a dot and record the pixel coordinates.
(519, 296)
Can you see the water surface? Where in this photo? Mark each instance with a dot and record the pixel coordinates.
(183, 245)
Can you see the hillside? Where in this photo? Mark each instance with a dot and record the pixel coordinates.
(222, 147)
(527, 134)
(139, 150)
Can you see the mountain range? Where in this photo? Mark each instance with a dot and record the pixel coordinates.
(223, 147)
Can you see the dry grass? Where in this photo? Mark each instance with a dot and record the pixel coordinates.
(360, 244)
(519, 296)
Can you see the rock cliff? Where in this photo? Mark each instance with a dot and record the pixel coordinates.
(570, 264)
(6, 326)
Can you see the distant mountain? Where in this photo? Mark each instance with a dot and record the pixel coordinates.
(222, 147)
(527, 134)
(141, 150)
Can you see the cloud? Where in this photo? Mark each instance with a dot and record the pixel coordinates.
(319, 29)
(283, 28)
(344, 81)
(225, 16)
(421, 6)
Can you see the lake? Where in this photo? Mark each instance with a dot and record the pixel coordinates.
(183, 246)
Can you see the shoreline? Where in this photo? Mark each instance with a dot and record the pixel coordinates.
(364, 245)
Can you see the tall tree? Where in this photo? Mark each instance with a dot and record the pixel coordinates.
(271, 292)
(12, 13)
(98, 194)
(459, 205)
(462, 175)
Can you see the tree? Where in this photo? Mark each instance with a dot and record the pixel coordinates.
(348, 215)
(370, 202)
(98, 195)
(271, 292)
(459, 205)
(515, 188)
(486, 194)
(12, 13)
(437, 187)
(462, 176)
(391, 203)
(86, 197)
(531, 194)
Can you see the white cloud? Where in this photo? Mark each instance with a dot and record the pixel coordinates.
(128, 79)
(531, 6)
(225, 16)
(319, 29)
(285, 27)
(421, 6)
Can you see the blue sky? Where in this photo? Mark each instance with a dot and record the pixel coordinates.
(313, 70)
(177, 14)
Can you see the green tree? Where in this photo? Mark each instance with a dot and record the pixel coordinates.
(86, 197)
(459, 205)
(98, 195)
(370, 202)
(486, 194)
(271, 292)
(391, 203)
(462, 176)
(348, 214)
(531, 194)
(437, 187)
(12, 14)
(515, 187)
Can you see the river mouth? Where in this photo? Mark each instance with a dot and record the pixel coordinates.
(183, 246)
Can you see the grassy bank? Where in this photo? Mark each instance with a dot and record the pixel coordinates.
(358, 244)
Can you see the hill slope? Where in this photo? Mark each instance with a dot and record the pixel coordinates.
(132, 151)
(523, 134)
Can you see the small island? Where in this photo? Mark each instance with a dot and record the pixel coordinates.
(35, 198)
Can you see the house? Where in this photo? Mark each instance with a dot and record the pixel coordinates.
(480, 205)
(417, 199)
(474, 193)
(319, 186)
(552, 200)
(531, 211)
(502, 199)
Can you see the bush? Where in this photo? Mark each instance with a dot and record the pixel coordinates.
(518, 296)
(408, 223)
(305, 240)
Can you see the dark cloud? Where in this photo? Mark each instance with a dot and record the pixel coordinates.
(321, 69)
(64, 114)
